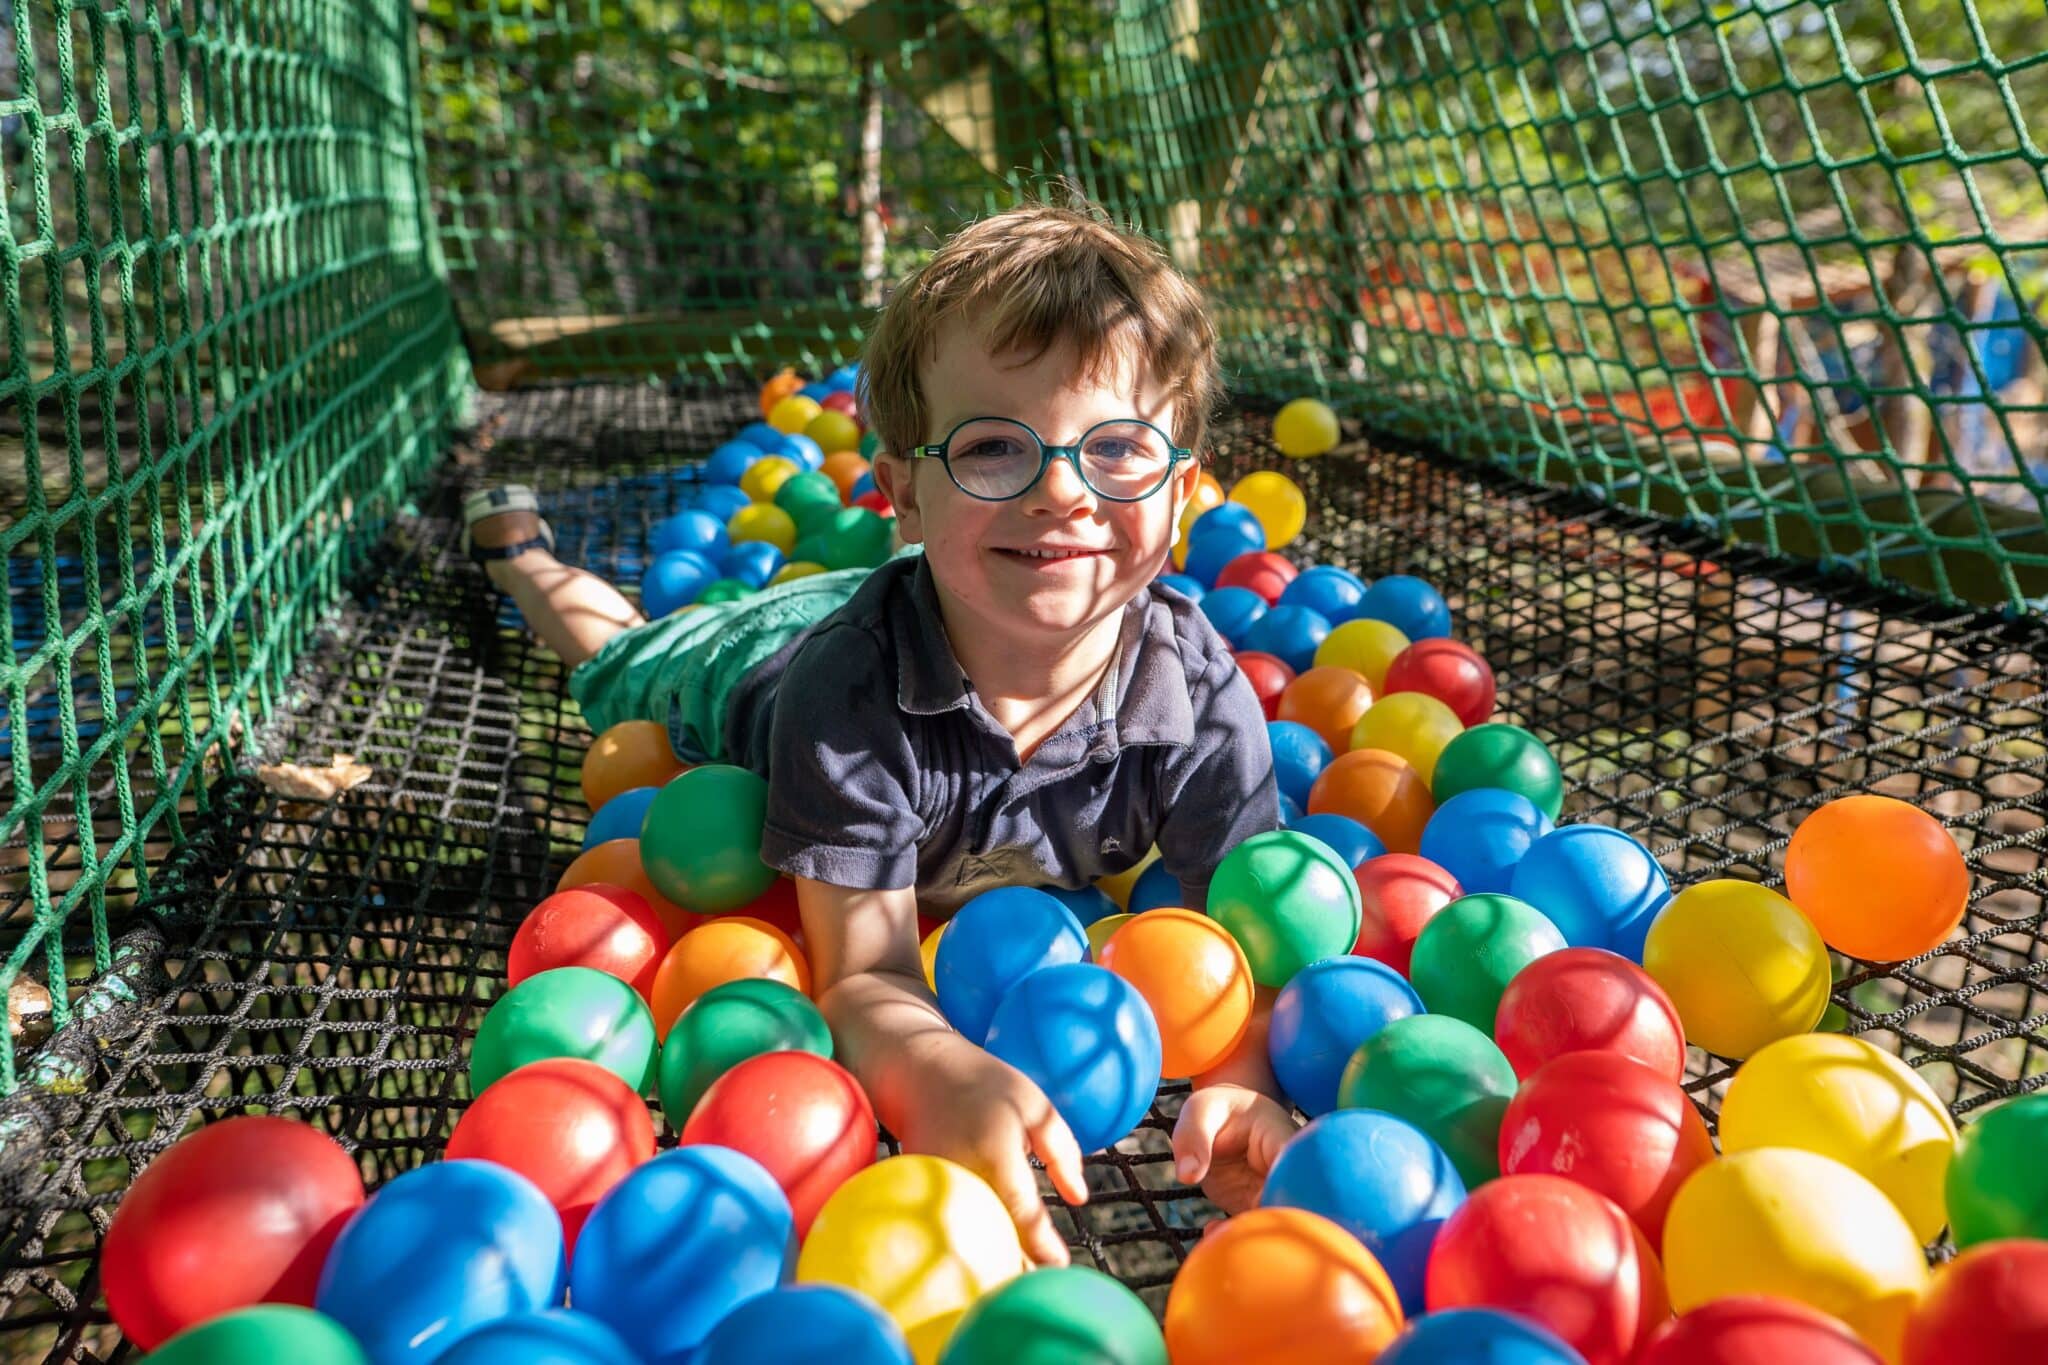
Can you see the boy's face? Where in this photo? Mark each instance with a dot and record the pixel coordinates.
(973, 546)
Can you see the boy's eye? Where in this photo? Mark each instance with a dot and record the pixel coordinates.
(988, 448)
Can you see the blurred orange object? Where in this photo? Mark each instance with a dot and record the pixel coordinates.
(616, 862)
(1278, 1285)
(1196, 979)
(1328, 700)
(1379, 790)
(844, 468)
(1880, 879)
(633, 753)
(780, 387)
(724, 949)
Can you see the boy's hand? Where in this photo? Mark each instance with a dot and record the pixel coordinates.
(1227, 1137)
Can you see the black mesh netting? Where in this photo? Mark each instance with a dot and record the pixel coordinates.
(332, 960)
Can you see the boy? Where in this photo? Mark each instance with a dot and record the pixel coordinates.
(1017, 704)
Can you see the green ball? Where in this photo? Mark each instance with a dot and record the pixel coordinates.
(804, 494)
(725, 1026)
(808, 550)
(566, 1012)
(1997, 1185)
(700, 842)
(1071, 1315)
(855, 539)
(1288, 900)
(263, 1332)
(1469, 950)
(1499, 755)
(1442, 1075)
(725, 590)
(870, 442)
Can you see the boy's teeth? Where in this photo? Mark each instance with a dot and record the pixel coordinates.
(1050, 554)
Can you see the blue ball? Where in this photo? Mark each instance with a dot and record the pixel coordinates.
(1409, 604)
(762, 437)
(1218, 536)
(817, 391)
(1183, 584)
(1088, 903)
(679, 1243)
(731, 460)
(846, 378)
(697, 531)
(1089, 1041)
(1155, 889)
(721, 500)
(1479, 835)
(993, 942)
(1320, 1018)
(803, 450)
(559, 1336)
(674, 580)
(1378, 1177)
(1289, 810)
(1290, 634)
(1299, 757)
(439, 1252)
(1597, 885)
(1477, 1336)
(806, 1322)
(1351, 841)
(1233, 611)
(863, 485)
(752, 562)
(1332, 593)
(620, 817)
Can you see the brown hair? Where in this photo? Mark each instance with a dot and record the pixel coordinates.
(1034, 275)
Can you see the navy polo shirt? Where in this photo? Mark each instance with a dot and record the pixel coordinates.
(885, 770)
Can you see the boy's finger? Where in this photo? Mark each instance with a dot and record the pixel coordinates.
(1055, 1145)
(1194, 1136)
(1017, 1189)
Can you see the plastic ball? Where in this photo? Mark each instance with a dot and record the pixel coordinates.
(928, 953)
(1218, 536)
(1478, 1336)
(1087, 1038)
(763, 437)
(1208, 493)
(802, 1116)
(1378, 1177)
(805, 451)
(1194, 978)
(995, 941)
(706, 1225)
(1276, 501)
(785, 383)
(821, 1324)
(845, 468)
(1750, 1327)
(1331, 592)
(440, 1251)
(1288, 900)
(1412, 724)
(1466, 954)
(620, 817)
(675, 580)
(1182, 584)
(753, 562)
(731, 461)
(1480, 835)
(874, 500)
(693, 531)
(1328, 700)
(1070, 1315)
(565, 1012)
(702, 839)
(1280, 1285)
(855, 539)
(281, 1187)
(1290, 634)
(1398, 893)
(633, 753)
(1848, 1099)
(570, 1126)
(921, 1237)
(1322, 1016)
(1233, 612)
(1269, 678)
(1299, 757)
(793, 413)
(1600, 887)
(1450, 671)
(866, 482)
(1100, 932)
(1155, 889)
(1367, 648)
(1290, 810)
(1880, 879)
(1089, 903)
(817, 391)
(1348, 839)
(1796, 1224)
(1442, 1075)
(1500, 755)
(1263, 572)
(725, 1026)
(809, 498)
(1117, 885)
(724, 590)
(1305, 428)
(1381, 791)
(795, 569)
(555, 1336)
(766, 475)
(616, 862)
(1996, 1185)
(835, 433)
(1558, 1254)
(765, 524)
(1408, 604)
(1588, 999)
(722, 500)
(729, 948)
(1742, 966)
(263, 1332)
(777, 908)
(1989, 1304)
(846, 377)
(841, 399)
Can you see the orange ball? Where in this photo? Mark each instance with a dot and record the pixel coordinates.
(1196, 979)
(1280, 1284)
(633, 753)
(779, 388)
(1880, 879)
(1379, 790)
(729, 948)
(1328, 700)
(844, 468)
(616, 862)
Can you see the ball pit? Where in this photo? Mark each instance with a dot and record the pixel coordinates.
(1316, 1296)
(802, 1116)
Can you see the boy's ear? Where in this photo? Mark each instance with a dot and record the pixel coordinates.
(1185, 477)
(893, 477)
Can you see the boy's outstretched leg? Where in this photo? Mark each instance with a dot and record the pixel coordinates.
(572, 610)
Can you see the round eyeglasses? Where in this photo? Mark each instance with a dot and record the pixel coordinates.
(996, 459)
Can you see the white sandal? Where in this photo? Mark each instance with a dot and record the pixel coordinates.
(488, 502)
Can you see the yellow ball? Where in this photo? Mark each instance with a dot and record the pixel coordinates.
(1852, 1101)
(764, 521)
(928, 953)
(1099, 932)
(1272, 498)
(767, 474)
(1742, 965)
(1797, 1225)
(833, 431)
(923, 1237)
(792, 414)
(1365, 647)
(1208, 493)
(1304, 428)
(1414, 725)
(795, 569)
(1117, 886)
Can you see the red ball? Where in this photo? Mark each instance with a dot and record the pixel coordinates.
(777, 906)
(841, 401)
(239, 1213)
(876, 501)
(1397, 893)
(1264, 572)
(1558, 1254)
(1268, 676)
(801, 1116)
(1588, 1000)
(1746, 1328)
(1613, 1125)
(594, 925)
(570, 1126)
(1989, 1306)
(1449, 670)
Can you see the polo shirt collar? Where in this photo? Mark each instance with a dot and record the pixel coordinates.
(929, 680)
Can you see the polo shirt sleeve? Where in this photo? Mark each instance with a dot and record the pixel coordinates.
(841, 777)
(1219, 791)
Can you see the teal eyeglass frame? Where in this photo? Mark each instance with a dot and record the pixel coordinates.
(941, 451)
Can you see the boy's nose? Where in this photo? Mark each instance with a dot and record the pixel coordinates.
(1062, 488)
